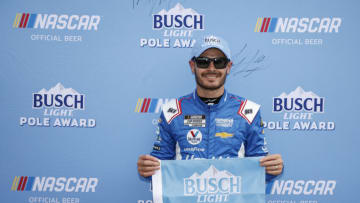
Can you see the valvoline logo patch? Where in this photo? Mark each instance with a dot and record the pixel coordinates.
(194, 136)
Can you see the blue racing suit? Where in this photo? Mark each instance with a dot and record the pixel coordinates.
(192, 129)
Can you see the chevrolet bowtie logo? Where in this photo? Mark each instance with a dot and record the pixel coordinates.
(223, 135)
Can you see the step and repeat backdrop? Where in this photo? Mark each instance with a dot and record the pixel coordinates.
(82, 84)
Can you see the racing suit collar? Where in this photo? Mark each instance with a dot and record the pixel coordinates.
(203, 105)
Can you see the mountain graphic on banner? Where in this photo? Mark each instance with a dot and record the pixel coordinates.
(212, 172)
(299, 93)
(58, 89)
(178, 10)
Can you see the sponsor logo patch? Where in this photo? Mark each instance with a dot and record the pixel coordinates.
(224, 135)
(157, 148)
(224, 122)
(194, 136)
(195, 120)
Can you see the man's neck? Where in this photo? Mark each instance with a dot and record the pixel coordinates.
(210, 93)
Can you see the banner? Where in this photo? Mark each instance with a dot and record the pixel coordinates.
(209, 180)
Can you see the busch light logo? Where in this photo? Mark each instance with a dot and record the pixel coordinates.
(298, 100)
(212, 185)
(301, 106)
(212, 40)
(177, 25)
(178, 18)
(59, 97)
(59, 105)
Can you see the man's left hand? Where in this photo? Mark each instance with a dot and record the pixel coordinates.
(273, 164)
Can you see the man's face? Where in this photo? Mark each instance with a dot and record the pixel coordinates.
(210, 78)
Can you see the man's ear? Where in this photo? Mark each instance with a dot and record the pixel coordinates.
(192, 66)
(228, 67)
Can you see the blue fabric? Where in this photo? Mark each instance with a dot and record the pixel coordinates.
(225, 180)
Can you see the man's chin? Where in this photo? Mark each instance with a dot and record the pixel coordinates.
(210, 87)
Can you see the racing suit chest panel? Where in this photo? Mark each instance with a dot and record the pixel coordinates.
(230, 132)
(191, 138)
(221, 137)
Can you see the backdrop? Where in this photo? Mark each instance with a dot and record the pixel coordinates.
(82, 84)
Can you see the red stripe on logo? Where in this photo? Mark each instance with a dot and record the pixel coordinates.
(20, 184)
(143, 105)
(26, 20)
(24, 183)
(147, 105)
(22, 20)
(267, 24)
(263, 25)
(242, 106)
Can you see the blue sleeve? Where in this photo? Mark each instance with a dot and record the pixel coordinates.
(255, 143)
(164, 145)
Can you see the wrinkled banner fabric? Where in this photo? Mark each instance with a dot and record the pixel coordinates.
(210, 180)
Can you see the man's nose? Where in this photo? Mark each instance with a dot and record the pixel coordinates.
(212, 65)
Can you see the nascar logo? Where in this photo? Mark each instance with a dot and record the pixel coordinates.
(303, 187)
(44, 184)
(300, 25)
(150, 105)
(54, 21)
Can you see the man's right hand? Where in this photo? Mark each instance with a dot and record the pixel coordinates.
(147, 165)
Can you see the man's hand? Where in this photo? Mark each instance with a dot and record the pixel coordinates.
(273, 164)
(147, 165)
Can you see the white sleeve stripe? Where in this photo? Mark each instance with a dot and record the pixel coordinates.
(178, 111)
(171, 109)
(252, 107)
(157, 186)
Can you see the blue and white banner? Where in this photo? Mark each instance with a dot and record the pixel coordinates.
(210, 180)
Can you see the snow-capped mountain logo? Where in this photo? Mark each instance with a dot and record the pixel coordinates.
(178, 10)
(299, 100)
(58, 89)
(299, 93)
(59, 97)
(212, 181)
(178, 17)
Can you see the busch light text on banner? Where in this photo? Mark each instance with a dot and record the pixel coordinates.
(176, 25)
(178, 18)
(224, 180)
(299, 110)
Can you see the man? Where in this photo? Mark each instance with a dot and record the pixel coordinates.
(210, 122)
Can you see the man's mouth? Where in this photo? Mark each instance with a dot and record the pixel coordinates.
(211, 75)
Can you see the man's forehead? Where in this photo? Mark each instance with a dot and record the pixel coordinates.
(213, 51)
